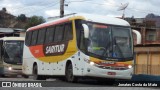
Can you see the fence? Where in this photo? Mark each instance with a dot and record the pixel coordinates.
(147, 69)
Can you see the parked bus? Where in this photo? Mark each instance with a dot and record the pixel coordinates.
(79, 46)
(11, 51)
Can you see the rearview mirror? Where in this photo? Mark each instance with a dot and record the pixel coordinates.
(86, 30)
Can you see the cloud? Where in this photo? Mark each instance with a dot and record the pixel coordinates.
(51, 13)
(47, 8)
(9, 5)
(30, 8)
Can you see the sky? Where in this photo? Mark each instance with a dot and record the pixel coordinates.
(50, 8)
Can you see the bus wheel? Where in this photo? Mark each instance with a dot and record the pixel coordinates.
(35, 73)
(25, 76)
(69, 74)
(2, 75)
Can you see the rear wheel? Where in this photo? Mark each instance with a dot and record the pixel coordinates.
(35, 74)
(69, 74)
(25, 76)
(2, 75)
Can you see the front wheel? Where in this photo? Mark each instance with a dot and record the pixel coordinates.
(69, 74)
(25, 76)
(2, 75)
(35, 74)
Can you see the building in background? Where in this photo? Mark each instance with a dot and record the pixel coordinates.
(147, 54)
(7, 32)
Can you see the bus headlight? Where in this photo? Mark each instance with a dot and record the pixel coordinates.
(91, 63)
(10, 68)
(129, 66)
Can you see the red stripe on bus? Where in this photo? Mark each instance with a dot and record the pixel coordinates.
(37, 51)
(48, 24)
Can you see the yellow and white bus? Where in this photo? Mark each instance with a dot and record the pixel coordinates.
(11, 51)
(79, 46)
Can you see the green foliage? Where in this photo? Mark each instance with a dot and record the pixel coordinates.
(22, 18)
(35, 20)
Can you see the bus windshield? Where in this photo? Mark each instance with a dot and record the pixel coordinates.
(108, 41)
(13, 52)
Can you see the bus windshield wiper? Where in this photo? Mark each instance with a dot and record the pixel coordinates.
(106, 49)
(119, 50)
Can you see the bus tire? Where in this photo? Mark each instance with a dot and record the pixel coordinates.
(2, 75)
(25, 76)
(35, 74)
(69, 74)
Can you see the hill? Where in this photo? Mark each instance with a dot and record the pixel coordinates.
(10, 21)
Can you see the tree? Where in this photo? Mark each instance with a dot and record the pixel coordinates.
(151, 15)
(35, 20)
(22, 18)
(4, 9)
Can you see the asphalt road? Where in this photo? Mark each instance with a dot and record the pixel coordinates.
(55, 84)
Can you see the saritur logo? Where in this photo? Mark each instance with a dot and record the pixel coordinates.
(55, 49)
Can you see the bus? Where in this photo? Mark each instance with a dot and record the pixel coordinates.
(79, 45)
(11, 51)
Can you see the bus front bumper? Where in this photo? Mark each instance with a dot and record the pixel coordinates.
(12, 71)
(107, 73)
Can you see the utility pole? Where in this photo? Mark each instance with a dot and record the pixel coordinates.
(61, 8)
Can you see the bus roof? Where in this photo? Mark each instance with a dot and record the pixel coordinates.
(88, 17)
(12, 38)
(105, 19)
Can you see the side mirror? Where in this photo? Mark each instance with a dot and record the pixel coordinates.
(138, 35)
(86, 30)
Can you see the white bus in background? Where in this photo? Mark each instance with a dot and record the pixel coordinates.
(79, 46)
(11, 51)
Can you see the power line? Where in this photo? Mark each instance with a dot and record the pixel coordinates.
(49, 6)
(31, 6)
(79, 1)
(28, 8)
(143, 11)
(111, 4)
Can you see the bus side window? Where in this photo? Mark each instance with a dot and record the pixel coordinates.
(28, 38)
(41, 36)
(59, 33)
(34, 37)
(68, 32)
(49, 35)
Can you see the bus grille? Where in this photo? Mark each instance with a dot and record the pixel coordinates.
(113, 68)
(16, 69)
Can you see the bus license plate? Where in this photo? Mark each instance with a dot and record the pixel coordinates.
(111, 73)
